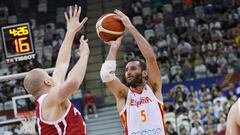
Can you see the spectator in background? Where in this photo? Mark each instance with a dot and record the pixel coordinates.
(18, 89)
(179, 93)
(192, 101)
(19, 130)
(197, 129)
(181, 109)
(184, 48)
(217, 108)
(210, 127)
(203, 89)
(89, 103)
(229, 91)
(7, 91)
(187, 70)
(3, 14)
(164, 72)
(3, 97)
(170, 129)
(221, 60)
(213, 67)
(200, 70)
(172, 39)
(221, 126)
(220, 97)
(168, 103)
(183, 130)
(176, 74)
(193, 92)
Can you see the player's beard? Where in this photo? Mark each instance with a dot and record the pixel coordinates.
(136, 81)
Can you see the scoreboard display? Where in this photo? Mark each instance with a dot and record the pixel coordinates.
(17, 42)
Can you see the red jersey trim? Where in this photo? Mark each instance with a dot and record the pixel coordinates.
(136, 91)
(124, 121)
(51, 122)
(162, 112)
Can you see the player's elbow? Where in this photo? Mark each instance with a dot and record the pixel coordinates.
(74, 84)
(151, 57)
(104, 75)
(107, 73)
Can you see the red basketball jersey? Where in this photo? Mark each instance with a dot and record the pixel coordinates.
(71, 123)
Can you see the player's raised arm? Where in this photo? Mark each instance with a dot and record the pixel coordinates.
(108, 69)
(74, 79)
(64, 55)
(154, 76)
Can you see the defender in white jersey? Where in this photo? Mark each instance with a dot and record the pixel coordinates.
(139, 102)
(233, 119)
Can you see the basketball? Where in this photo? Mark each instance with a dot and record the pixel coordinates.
(109, 27)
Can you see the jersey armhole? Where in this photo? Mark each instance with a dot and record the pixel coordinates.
(126, 103)
(40, 101)
(161, 102)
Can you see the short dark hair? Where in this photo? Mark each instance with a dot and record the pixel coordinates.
(142, 63)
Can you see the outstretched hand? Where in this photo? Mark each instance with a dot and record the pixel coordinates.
(72, 19)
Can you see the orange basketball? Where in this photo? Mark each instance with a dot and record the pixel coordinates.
(109, 27)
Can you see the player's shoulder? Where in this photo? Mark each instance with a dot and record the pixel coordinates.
(234, 109)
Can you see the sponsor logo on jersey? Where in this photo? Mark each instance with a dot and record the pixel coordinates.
(154, 131)
(143, 100)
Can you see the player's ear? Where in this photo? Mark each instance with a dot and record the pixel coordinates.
(144, 73)
(49, 82)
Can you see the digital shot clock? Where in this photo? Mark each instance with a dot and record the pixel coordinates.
(17, 42)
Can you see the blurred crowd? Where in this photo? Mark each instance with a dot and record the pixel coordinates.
(192, 40)
(199, 111)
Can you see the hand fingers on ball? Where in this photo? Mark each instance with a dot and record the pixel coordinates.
(120, 38)
(108, 43)
(118, 12)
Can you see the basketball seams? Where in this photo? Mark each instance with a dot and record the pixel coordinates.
(101, 29)
(108, 23)
(108, 27)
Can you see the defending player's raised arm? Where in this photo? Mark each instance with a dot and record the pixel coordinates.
(74, 78)
(108, 69)
(154, 76)
(64, 55)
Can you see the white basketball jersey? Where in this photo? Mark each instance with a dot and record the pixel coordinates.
(143, 113)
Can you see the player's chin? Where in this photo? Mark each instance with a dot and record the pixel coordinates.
(130, 83)
(130, 80)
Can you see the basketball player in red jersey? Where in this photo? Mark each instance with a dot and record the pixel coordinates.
(56, 115)
(141, 104)
(233, 120)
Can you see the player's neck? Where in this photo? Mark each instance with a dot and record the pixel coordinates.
(42, 92)
(138, 87)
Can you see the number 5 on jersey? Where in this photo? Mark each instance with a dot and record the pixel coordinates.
(143, 115)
